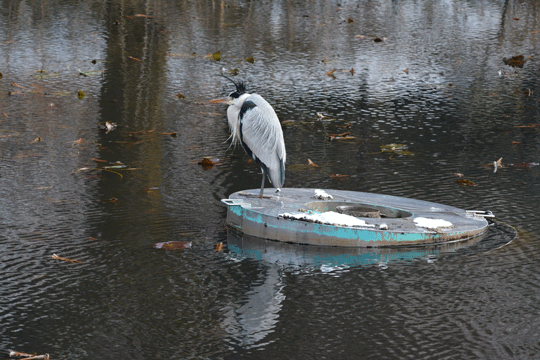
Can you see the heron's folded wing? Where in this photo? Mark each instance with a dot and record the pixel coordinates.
(262, 135)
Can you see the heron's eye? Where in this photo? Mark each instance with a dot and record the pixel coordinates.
(234, 95)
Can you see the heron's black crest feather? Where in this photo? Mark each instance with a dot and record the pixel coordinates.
(240, 87)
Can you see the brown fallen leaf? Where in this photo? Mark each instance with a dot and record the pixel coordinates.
(38, 139)
(173, 134)
(535, 32)
(523, 165)
(331, 72)
(516, 142)
(312, 163)
(465, 182)
(99, 160)
(458, 174)
(144, 16)
(515, 61)
(28, 356)
(134, 58)
(335, 136)
(527, 126)
(17, 85)
(219, 246)
(406, 71)
(79, 141)
(129, 17)
(180, 96)
(13, 353)
(56, 257)
(207, 163)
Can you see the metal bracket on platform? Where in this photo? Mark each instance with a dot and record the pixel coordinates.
(480, 213)
(235, 202)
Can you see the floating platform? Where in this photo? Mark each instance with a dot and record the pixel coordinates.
(350, 219)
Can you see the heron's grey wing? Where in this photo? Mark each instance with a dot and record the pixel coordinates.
(262, 138)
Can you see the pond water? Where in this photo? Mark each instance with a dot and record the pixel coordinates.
(436, 83)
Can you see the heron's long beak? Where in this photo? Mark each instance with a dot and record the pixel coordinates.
(226, 100)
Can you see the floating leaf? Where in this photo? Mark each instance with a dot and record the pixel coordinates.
(393, 147)
(322, 116)
(349, 20)
(343, 136)
(173, 134)
(406, 71)
(180, 96)
(312, 163)
(528, 126)
(219, 246)
(348, 137)
(331, 73)
(38, 139)
(89, 73)
(17, 85)
(216, 56)
(524, 165)
(144, 16)
(288, 123)
(56, 257)
(465, 182)
(207, 163)
(515, 61)
(352, 71)
(28, 356)
(234, 72)
(80, 94)
(173, 245)
(109, 126)
(134, 58)
(250, 60)
(516, 142)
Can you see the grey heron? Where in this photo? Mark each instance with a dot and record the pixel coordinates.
(254, 124)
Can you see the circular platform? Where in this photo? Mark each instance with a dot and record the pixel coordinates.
(349, 219)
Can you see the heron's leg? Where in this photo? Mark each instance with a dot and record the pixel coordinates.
(262, 185)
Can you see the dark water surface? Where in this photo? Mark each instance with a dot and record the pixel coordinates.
(431, 84)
